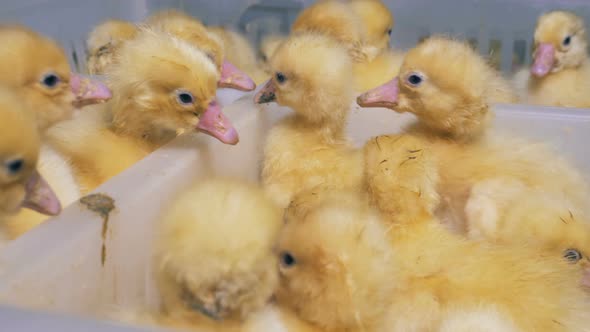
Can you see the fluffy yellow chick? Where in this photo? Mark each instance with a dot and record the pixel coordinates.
(503, 196)
(104, 41)
(162, 86)
(193, 31)
(506, 211)
(214, 252)
(378, 22)
(382, 63)
(346, 268)
(484, 188)
(268, 46)
(239, 52)
(448, 86)
(309, 148)
(337, 20)
(20, 183)
(364, 27)
(560, 74)
(214, 261)
(38, 68)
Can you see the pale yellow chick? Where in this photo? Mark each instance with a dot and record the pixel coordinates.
(560, 73)
(378, 23)
(214, 251)
(525, 194)
(382, 63)
(215, 266)
(21, 186)
(364, 27)
(337, 20)
(309, 148)
(478, 187)
(448, 86)
(506, 211)
(104, 41)
(163, 86)
(268, 46)
(346, 268)
(37, 68)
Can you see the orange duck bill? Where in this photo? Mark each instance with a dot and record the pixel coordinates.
(214, 123)
(544, 60)
(233, 78)
(40, 197)
(385, 95)
(88, 91)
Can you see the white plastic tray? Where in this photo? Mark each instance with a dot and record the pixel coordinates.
(15, 320)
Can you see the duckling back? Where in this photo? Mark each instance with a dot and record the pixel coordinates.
(104, 41)
(214, 250)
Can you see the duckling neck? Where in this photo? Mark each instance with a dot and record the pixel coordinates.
(423, 256)
(131, 123)
(467, 129)
(331, 127)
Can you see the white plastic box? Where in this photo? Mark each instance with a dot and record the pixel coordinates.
(58, 267)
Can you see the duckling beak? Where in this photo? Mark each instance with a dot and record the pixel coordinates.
(40, 197)
(206, 308)
(233, 78)
(385, 95)
(544, 60)
(88, 91)
(206, 305)
(214, 123)
(267, 94)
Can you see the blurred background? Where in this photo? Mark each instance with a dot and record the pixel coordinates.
(500, 29)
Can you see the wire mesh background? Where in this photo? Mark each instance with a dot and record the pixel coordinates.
(500, 29)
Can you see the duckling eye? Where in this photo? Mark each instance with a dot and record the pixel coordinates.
(567, 41)
(287, 260)
(50, 80)
(184, 98)
(572, 255)
(389, 32)
(281, 78)
(415, 79)
(14, 166)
